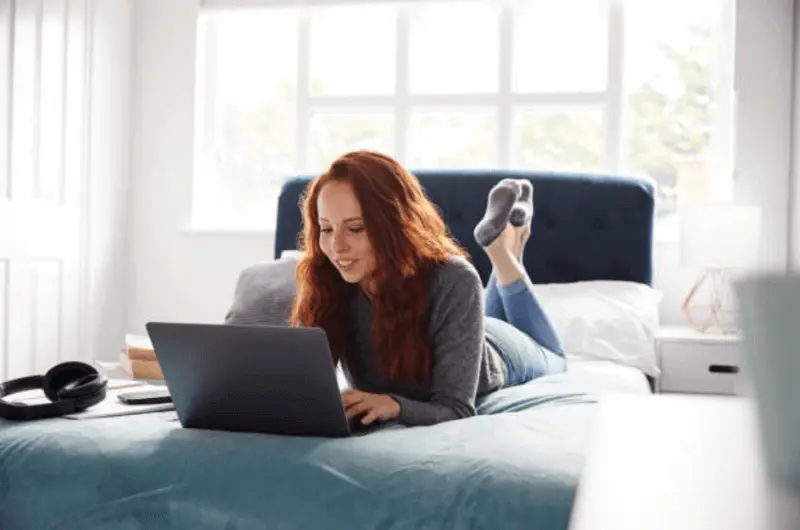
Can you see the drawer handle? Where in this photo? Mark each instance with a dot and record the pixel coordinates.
(723, 369)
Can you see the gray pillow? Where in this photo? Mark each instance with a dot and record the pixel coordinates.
(264, 294)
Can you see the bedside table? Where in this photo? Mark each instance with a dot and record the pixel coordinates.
(697, 363)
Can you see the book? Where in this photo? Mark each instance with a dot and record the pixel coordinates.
(141, 369)
(139, 347)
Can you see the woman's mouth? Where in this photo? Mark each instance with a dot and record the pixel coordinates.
(345, 264)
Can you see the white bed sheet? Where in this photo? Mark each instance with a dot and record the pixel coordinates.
(629, 375)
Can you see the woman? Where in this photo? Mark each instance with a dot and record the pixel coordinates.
(404, 311)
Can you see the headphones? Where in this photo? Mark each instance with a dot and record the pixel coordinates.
(71, 387)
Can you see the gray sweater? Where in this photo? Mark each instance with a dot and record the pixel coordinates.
(464, 363)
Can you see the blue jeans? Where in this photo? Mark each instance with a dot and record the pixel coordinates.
(518, 328)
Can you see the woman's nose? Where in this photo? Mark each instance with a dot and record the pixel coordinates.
(339, 242)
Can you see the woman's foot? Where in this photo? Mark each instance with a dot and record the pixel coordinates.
(502, 199)
(502, 254)
(522, 211)
(505, 243)
(521, 217)
(519, 237)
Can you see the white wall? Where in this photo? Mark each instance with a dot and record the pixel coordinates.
(179, 275)
(109, 177)
(763, 79)
(174, 275)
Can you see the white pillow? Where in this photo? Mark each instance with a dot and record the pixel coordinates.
(605, 320)
(294, 254)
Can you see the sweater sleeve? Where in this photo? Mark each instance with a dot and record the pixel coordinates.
(457, 341)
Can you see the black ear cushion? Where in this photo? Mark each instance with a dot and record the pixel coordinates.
(91, 398)
(70, 380)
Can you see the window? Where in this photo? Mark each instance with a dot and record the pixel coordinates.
(630, 87)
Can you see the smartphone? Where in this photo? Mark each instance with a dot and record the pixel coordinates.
(146, 397)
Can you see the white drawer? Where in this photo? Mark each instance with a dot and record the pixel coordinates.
(699, 368)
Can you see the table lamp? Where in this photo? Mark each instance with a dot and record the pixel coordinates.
(717, 237)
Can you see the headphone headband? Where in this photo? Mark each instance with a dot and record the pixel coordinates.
(23, 384)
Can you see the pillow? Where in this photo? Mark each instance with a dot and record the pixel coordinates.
(264, 294)
(605, 320)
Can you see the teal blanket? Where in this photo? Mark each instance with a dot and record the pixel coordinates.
(516, 465)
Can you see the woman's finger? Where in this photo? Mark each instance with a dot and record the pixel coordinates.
(350, 397)
(357, 409)
(353, 401)
(369, 418)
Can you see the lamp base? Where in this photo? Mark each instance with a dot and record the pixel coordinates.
(714, 320)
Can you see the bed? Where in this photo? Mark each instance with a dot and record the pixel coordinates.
(515, 465)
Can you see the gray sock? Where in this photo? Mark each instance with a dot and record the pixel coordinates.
(498, 209)
(522, 212)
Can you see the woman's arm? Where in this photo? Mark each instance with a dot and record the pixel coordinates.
(457, 345)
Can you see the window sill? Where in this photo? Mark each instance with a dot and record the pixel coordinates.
(193, 231)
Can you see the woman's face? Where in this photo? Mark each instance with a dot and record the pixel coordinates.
(343, 235)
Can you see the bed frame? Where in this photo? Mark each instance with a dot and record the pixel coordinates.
(585, 226)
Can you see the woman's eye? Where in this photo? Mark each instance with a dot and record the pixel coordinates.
(325, 230)
(357, 229)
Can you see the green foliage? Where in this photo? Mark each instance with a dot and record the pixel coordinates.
(672, 124)
(560, 141)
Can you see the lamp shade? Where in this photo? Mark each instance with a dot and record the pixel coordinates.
(720, 235)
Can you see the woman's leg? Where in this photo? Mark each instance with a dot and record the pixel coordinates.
(512, 285)
(493, 301)
(521, 307)
(524, 358)
(500, 209)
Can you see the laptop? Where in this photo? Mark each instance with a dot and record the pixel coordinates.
(259, 379)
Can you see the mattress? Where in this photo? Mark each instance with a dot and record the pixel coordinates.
(625, 376)
(515, 465)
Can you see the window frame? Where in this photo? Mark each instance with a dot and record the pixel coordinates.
(610, 101)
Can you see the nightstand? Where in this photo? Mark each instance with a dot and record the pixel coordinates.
(697, 363)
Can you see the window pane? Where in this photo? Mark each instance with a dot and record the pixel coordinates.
(248, 127)
(333, 134)
(454, 47)
(673, 121)
(461, 138)
(353, 50)
(560, 46)
(558, 140)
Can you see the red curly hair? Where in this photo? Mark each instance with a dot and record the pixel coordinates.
(409, 239)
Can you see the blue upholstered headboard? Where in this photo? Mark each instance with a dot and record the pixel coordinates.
(585, 227)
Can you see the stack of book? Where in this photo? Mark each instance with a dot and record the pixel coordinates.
(139, 358)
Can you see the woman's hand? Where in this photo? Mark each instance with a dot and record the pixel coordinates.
(372, 406)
